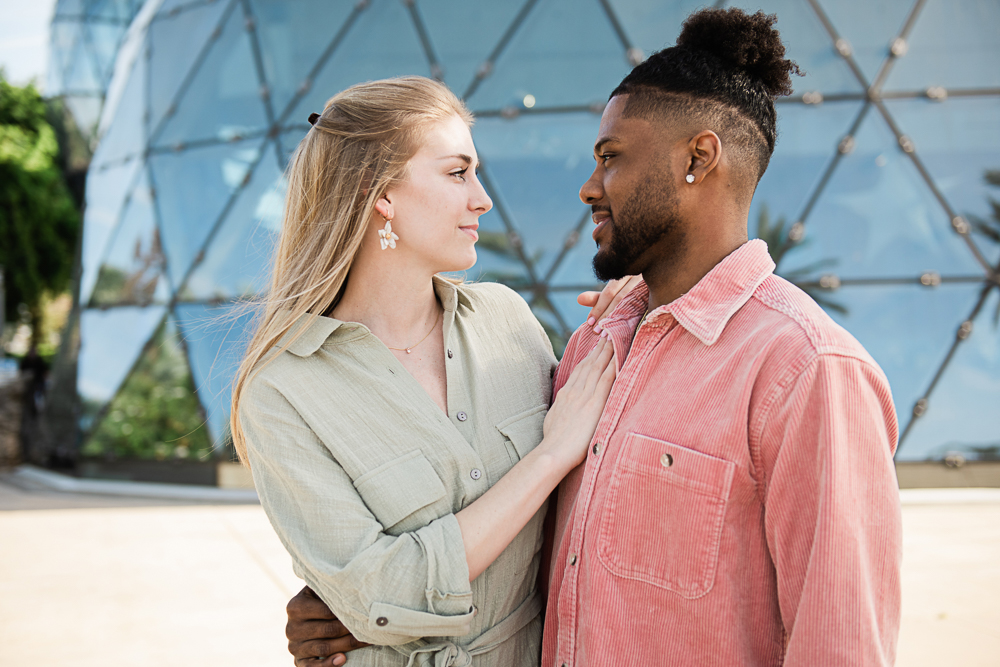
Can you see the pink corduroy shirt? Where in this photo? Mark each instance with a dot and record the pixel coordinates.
(739, 504)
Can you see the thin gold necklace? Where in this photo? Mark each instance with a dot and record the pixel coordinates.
(409, 349)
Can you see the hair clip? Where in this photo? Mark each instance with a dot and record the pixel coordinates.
(313, 117)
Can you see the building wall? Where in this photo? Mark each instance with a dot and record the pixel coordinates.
(879, 200)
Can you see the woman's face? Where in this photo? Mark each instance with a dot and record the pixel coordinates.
(436, 210)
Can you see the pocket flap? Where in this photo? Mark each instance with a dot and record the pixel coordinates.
(524, 429)
(400, 487)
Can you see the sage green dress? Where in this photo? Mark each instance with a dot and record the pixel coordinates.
(361, 474)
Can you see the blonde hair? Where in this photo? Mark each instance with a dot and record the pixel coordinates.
(357, 149)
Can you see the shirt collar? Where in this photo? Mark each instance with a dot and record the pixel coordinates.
(318, 329)
(705, 310)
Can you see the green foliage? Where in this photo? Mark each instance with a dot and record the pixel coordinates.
(156, 414)
(990, 227)
(39, 221)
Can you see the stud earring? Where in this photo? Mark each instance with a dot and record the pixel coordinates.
(386, 237)
(689, 178)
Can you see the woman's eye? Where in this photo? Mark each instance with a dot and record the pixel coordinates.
(460, 173)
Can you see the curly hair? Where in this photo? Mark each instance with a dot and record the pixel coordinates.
(726, 70)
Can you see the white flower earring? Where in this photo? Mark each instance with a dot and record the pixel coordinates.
(386, 237)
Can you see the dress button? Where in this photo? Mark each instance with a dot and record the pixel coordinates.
(597, 448)
(461, 416)
(450, 355)
(381, 621)
(572, 559)
(476, 473)
(666, 460)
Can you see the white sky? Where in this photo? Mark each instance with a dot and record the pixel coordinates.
(24, 39)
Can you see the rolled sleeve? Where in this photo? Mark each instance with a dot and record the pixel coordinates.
(832, 514)
(387, 589)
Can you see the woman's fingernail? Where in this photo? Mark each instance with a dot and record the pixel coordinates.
(591, 322)
(598, 328)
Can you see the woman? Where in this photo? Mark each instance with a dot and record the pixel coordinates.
(397, 423)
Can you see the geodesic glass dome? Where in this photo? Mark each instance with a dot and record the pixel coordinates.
(84, 40)
(880, 199)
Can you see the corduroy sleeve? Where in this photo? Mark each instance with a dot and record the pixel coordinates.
(832, 514)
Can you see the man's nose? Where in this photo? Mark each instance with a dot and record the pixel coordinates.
(591, 191)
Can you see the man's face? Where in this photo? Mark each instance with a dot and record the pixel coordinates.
(632, 196)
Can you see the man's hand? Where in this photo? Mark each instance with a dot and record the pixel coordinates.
(603, 302)
(316, 638)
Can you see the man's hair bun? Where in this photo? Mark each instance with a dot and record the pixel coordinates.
(745, 42)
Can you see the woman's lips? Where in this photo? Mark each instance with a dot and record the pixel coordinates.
(471, 231)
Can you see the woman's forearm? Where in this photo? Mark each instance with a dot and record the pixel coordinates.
(491, 522)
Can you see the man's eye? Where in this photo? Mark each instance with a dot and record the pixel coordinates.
(604, 157)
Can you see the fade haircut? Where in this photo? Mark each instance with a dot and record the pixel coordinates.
(725, 72)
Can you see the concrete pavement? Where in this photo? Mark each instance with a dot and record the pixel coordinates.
(89, 580)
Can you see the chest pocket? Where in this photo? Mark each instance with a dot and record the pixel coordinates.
(523, 431)
(662, 523)
(400, 489)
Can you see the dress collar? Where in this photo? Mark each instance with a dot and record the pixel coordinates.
(316, 329)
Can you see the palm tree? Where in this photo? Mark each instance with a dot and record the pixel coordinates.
(990, 227)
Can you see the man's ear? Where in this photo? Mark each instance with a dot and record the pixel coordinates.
(704, 154)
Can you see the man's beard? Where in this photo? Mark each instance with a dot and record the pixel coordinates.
(647, 217)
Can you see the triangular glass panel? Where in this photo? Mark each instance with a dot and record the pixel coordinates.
(535, 165)
(648, 25)
(497, 259)
(906, 328)
(292, 40)
(565, 53)
(86, 111)
(176, 37)
(69, 8)
(961, 415)
(63, 36)
(809, 44)
(104, 41)
(870, 28)
(877, 218)
(807, 142)
(126, 136)
(289, 142)
(953, 45)
(83, 73)
(115, 10)
(237, 260)
(575, 272)
(362, 57)
(155, 414)
(106, 195)
(216, 338)
(193, 188)
(460, 51)
(110, 342)
(223, 99)
(133, 266)
(961, 175)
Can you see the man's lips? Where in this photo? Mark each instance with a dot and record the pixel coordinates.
(601, 219)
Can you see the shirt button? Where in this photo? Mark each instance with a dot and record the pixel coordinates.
(597, 448)
(476, 473)
(461, 416)
(450, 355)
(381, 621)
(666, 460)
(572, 559)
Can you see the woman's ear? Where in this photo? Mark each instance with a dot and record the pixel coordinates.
(705, 152)
(384, 207)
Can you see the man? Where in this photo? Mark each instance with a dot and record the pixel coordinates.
(739, 505)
